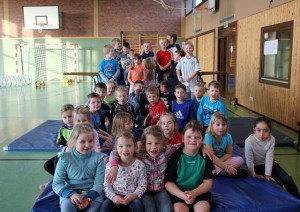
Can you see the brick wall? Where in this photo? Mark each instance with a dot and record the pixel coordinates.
(138, 15)
(78, 18)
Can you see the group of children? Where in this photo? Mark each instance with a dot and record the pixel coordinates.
(164, 149)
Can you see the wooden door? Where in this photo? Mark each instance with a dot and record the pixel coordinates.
(227, 59)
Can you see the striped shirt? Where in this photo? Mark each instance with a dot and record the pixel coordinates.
(156, 167)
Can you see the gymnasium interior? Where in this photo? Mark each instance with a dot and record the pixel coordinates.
(251, 47)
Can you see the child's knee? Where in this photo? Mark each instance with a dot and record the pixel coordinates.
(180, 207)
(202, 206)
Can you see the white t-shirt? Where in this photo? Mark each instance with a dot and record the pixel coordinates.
(188, 66)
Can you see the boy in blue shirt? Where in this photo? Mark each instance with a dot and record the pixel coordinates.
(109, 69)
(211, 104)
(183, 110)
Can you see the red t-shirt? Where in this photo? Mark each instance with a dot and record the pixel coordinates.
(176, 139)
(163, 57)
(155, 111)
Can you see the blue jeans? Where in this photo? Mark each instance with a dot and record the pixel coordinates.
(157, 201)
(67, 206)
(135, 206)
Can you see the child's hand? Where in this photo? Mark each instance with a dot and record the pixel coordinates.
(112, 175)
(129, 198)
(191, 197)
(259, 176)
(111, 80)
(207, 152)
(76, 199)
(270, 178)
(85, 203)
(231, 170)
(117, 200)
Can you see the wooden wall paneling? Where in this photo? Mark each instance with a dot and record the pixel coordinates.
(280, 104)
(205, 55)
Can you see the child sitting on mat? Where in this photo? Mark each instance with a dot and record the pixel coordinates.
(259, 152)
(189, 176)
(219, 141)
(80, 115)
(65, 131)
(131, 182)
(79, 175)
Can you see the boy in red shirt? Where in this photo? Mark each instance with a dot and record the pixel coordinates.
(156, 107)
(163, 61)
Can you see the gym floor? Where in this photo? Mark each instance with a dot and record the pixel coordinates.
(24, 108)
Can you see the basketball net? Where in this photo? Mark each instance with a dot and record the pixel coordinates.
(197, 17)
(41, 24)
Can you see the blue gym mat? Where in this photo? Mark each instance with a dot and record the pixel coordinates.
(41, 138)
(228, 194)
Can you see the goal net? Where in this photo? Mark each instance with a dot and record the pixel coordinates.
(46, 61)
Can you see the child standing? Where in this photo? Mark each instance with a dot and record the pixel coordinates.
(183, 110)
(110, 98)
(121, 105)
(219, 141)
(199, 91)
(136, 72)
(146, 51)
(188, 175)
(126, 61)
(156, 107)
(259, 151)
(172, 45)
(150, 72)
(169, 126)
(172, 78)
(211, 104)
(188, 67)
(163, 61)
(65, 131)
(131, 181)
(109, 69)
(79, 175)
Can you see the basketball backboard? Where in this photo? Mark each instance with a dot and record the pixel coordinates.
(41, 17)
